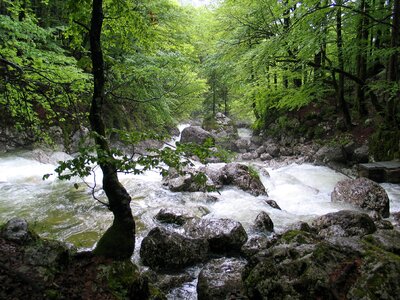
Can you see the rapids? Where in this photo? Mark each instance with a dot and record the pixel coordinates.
(67, 212)
(56, 209)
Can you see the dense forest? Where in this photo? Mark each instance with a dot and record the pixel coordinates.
(120, 71)
(271, 64)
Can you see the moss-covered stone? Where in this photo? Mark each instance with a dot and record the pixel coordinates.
(301, 266)
(298, 236)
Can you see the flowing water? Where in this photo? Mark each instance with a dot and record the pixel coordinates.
(57, 209)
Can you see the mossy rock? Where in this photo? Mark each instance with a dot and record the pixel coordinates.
(301, 266)
(298, 237)
(384, 144)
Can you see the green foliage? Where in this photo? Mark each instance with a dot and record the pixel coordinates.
(384, 144)
(40, 83)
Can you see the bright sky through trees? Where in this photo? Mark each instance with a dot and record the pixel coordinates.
(196, 2)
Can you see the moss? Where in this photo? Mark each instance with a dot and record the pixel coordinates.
(384, 144)
(253, 172)
(120, 276)
(373, 251)
(298, 236)
(117, 234)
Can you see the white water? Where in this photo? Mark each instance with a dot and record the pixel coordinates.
(58, 210)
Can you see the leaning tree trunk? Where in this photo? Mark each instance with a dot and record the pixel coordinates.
(118, 242)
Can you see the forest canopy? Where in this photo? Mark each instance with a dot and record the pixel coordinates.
(263, 62)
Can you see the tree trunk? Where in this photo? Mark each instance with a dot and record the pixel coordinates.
(393, 69)
(118, 242)
(340, 92)
(361, 59)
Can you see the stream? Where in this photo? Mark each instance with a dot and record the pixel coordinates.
(57, 209)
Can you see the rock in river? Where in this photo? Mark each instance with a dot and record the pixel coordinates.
(223, 235)
(221, 279)
(364, 193)
(167, 250)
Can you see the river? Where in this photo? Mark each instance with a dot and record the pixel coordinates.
(57, 209)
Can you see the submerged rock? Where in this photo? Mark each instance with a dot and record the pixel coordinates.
(167, 250)
(364, 193)
(223, 235)
(221, 279)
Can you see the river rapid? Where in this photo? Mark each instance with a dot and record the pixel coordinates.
(59, 210)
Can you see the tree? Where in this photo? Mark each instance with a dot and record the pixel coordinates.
(122, 230)
(40, 83)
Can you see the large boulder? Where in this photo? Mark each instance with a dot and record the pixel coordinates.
(195, 134)
(364, 193)
(192, 180)
(344, 223)
(162, 249)
(243, 177)
(221, 279)
(223, 235)
(239, 175)
(302, 266)
(330, 154)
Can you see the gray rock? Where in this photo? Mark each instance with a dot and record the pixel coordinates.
(301, 266)
(241, 176)
(195, 134)
(249, 156)
(257, 243)
(344, 223)
(387, 239)
(260, 150)
(263, 222)
(330, 153)
(16, 230)
(166, 250)
(242, 145)
(80, 139)
(361, 154)
(223, 235)
(273, 204)
(173, 216)
(221, 279)
(265, 156)
(272, 149)
(189, 181)
(363, 193)
(301, 226)
(147, 147)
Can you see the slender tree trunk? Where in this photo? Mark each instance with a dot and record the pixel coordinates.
(361, 59)
(214, 93)
(118, 242)
(286, 26)
(393, 69)
(340, 92)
